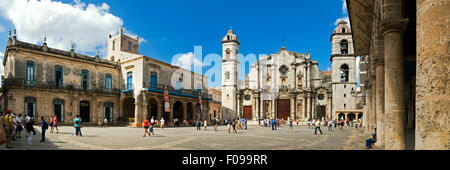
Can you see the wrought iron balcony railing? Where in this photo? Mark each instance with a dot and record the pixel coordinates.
(7, 83)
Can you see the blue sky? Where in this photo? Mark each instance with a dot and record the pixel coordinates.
(173, 27)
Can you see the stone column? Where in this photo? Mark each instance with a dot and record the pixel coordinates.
(144, 107)
(292, 108)
(392, 27)
(432, 90)
(380, 101)
(273, 109)
(307, 107)
(261, 107)
(367, 116)
(137, 113)
(170, 121)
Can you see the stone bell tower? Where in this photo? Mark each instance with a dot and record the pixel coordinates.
(343, 65)
(230, 64)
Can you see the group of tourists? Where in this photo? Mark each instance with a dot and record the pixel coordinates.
(11, 126)
(102, 123)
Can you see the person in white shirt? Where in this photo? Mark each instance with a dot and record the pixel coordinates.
(105, 122)
(330, 125)
(152, 121)
(162, 123)
(19, 127)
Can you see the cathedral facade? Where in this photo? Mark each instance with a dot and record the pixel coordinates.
(288, 84)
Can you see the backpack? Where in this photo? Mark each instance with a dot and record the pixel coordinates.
(45, 125)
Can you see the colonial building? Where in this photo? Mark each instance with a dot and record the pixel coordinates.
(42, 81)
(215, 105)
(405, 44)
(288, 84)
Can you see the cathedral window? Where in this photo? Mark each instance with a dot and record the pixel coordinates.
(321, 96)
(343, 30)
(113, 45)
(227, 75)
(344, 73)
(247, 97)
(344, 47)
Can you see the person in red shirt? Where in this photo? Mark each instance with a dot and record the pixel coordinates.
(54, 123)
(146, 128)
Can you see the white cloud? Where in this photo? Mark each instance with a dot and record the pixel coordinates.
(186, 60)
(344, 7)
(88, 26)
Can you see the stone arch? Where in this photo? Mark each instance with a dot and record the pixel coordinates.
(344, 46)
(153, 107)
(128, 107)
(344, 71)
(178, 110)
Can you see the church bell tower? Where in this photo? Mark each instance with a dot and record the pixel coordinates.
(230, 64)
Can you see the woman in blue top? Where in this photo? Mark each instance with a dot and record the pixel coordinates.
(77, 124)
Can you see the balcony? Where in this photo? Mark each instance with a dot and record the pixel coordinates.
(159, 88)
(37, 85)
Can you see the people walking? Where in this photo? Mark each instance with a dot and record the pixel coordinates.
(44, 127)
(19, 126)
(330, 125)
(291, 125)
(317, 124)
(77, 125)
(100, 123)
(105, 122)
(29, 129)
(228, 126)
(146, 125)
(245, 123)
(162, 123)
(272, 122)
(54, 123)
(233, 123)
(205, 125)
(152, 121)
(216, 123)
(199, 125)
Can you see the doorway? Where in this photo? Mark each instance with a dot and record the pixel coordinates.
(58, 109)
(85, 111)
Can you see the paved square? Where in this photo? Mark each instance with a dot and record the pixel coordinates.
(188, 138)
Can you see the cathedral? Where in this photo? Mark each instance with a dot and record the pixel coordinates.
(289, 84)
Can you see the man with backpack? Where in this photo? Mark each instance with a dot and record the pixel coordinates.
(77, 125)
(44, 127)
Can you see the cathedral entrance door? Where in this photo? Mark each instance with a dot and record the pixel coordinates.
(248, 112)
(283, 108)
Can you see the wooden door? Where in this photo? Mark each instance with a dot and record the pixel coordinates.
(248, 112)
(283, 109)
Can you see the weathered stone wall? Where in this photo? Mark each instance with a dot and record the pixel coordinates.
(433, 86)
(45, 98)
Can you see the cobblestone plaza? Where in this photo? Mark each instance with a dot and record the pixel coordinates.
(187, 138)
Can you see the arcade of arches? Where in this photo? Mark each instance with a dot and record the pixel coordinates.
(151, 105)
